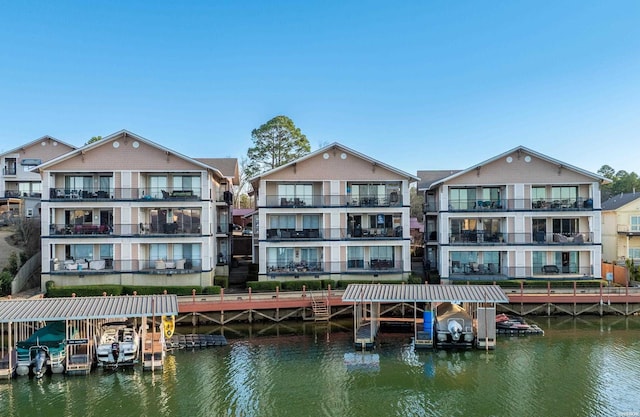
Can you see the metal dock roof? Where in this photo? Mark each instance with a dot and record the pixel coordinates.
(76, 308)
(424, 293)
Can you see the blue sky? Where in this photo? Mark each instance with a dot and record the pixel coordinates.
(417, 85)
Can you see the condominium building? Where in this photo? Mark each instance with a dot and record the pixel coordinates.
(520, 214)
(621, 228)
(332, 214)
(20, 188)
(125, 210)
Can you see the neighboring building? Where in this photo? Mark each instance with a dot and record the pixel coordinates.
(520, 214)
(621, 228)
(127, 211)
(20, 188)
(333, 214)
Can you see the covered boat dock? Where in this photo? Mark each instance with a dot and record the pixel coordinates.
(83, 317)
(479, 300)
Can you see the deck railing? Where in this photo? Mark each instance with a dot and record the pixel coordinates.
(88, 266)
(480, 237)
(522, 204)
(333, 234)
(140, 229)
(320, 200)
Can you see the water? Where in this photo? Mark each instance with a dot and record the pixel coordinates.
(580, 367)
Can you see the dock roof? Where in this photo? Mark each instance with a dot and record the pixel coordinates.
(77, 308)
(424, 293)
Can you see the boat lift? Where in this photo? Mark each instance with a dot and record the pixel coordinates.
(480, 301)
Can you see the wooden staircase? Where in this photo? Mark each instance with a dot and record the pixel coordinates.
(320, 308)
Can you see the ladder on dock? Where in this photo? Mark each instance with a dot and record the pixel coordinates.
(320, 307)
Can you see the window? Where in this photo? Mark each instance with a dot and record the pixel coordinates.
(462, 198)
(106, 251)
(157, 183)
(538, 193)
(568, 260)
(634, 253)
(296, 193)
(280, 257)
(634, 224)
(567, 227)
(186, 183)
(310, 257)
(381, 257)
(283, 222)
(311, 222)
(564, 193)
(158, 251)
(188, 251)
(355, 257)
(79, 252)
(538, 260)
(78, 183)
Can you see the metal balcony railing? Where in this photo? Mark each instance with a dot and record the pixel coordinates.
(479, 237)
(478, 270)
(140, 229)
(515, 204)
(333, 234)
(275, 201)
(110, 265)
(356, 266)
(150, 194)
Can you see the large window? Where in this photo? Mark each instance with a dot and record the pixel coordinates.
(280, 257)
(462, 198)
(381, 256)
(569, 194)
(355, 257)
(188, 251)
(78, 183)
(158, 251)
(157, 183)
(296, 193)
(538, 193)
(538, 260)
(283, 222)
(187, 183)
(311, 222)
(634, 224)
(567, 227)
(79, 252)
(634, 253)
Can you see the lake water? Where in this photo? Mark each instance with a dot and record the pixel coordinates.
(588, 366)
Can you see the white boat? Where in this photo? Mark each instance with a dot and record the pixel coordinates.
(454, 327)
(119, 345)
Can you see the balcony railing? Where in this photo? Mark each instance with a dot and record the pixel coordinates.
(144, 194)
(478, 237)
(488, 270)
(275, 201)
(333, 234)
(519, 204)
(84, 266)
(140, 229)
(353, 266)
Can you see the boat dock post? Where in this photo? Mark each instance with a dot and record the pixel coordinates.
(8, 355)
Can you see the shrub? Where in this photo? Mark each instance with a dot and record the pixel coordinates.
(82, 291)
(297, 285)
(177, 290)
(263, 285)
(221, 281)
(212, 290)
(5, 283)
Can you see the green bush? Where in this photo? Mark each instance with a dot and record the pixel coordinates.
(82, 291)
(177, 290)
(298, 284)
(263, 285)
(212, 290)
(221, 281)
(5, 283)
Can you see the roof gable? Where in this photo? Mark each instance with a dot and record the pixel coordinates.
(517, 162)
(331, 160)
(620, 200)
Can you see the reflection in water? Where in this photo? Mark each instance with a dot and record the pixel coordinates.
(580, 367)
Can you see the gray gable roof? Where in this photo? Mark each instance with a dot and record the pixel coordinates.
(228, 166)
(619, 200)
(429, 177)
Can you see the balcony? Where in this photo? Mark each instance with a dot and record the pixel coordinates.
(140, 194)
(628, 230)
(140, 229)
(333, 234)
(489, 271)
(479, 237)
(521, 204)
(376, 266)
(108, 266)
(320, 201)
